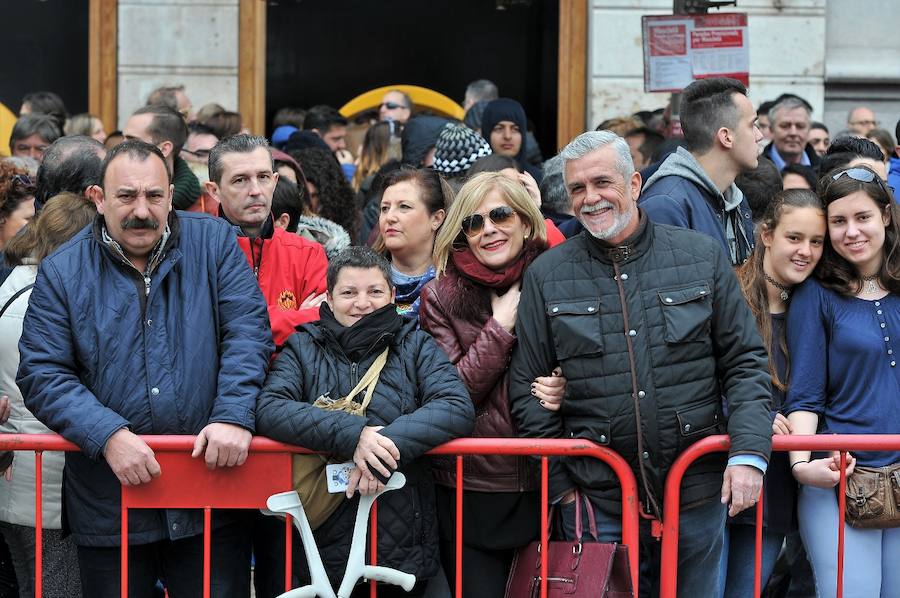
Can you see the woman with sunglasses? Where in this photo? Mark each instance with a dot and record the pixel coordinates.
(843, 334)
(413, 206)
(492, 232)
(789, 243)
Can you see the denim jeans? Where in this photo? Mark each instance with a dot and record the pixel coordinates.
(736, 573)
(871, 556)
(700, 545)
(179, 563)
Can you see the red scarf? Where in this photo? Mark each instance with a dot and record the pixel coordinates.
(469, 266)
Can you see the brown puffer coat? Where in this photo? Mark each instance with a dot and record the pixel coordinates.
(456, 311)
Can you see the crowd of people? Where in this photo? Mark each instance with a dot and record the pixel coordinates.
(371, 288)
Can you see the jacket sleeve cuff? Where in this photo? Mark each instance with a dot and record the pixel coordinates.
(751, 460)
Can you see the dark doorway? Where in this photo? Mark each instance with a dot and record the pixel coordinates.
(329, 51)
(47, 49)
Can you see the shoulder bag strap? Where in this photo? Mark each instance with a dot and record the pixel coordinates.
(370, 379)
(15, 296)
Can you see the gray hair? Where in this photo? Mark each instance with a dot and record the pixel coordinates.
(236, 144)
(788, 103)
(482, 89)
(553, 187)
(595, 140)
(38, 124)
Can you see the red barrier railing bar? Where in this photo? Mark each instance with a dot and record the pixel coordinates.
(38, 523)
(842, 504)
(711, 444)
(207, 537)
(288, 553)
(757, 550)
(459, 529)
(545, 532)
(460, 447)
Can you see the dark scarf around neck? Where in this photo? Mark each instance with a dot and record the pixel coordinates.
(372, 331)
(468, 265)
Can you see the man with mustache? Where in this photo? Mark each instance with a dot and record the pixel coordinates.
(649, 327)
(147, 322)
(290, 270)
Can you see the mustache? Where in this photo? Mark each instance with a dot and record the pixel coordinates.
(600, 205)
(140, 223)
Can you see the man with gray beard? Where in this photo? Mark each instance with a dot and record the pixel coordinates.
(649, 327)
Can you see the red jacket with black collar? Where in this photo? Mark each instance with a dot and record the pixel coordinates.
(289, 269)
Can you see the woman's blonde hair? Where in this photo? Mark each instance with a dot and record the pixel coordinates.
(466, 203)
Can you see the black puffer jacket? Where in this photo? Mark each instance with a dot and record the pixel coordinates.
(419, 400)
(692, 340)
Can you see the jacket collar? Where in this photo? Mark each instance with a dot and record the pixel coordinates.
(629, 249)
(266, 232)
(159, 251)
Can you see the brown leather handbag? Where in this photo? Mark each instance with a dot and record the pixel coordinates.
(575, 569)
(873, 497)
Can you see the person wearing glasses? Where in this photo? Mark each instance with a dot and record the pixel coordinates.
(649, 327)
(395, 106)
(843, 328)
(492, 233)
(861, 120)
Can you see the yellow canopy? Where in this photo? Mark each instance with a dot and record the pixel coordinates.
(7, 122)
(422, 97)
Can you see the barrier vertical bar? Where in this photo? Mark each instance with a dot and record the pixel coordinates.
(757, 556)
(545, 533)
(842, 504)
(207, 537)
(373, 548)
(38, 524)
(459, 524)
(123, 563)
(288, 553)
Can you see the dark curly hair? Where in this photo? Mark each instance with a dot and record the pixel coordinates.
(337, 202)
(15, 187)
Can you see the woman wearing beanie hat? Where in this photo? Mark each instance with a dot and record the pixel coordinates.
(504, 126)
(456, 150)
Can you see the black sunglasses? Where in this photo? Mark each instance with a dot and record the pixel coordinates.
(201, 153)
(392, 105)
(22, 179)
(474, 224)
(863, 175)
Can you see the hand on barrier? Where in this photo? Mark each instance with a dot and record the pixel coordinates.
(363, 484)
(781, 425)
(289, 503)
(550, 390)
(741, 487)
(823, 473)
(130, 458)
(375, 451)
(226, 445)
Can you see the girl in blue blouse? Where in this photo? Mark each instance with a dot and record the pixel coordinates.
(843, 331)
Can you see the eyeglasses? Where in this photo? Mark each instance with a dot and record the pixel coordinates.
(22, 179)
(391, 105)
(474, 224)
(864, 175)
(873, 123)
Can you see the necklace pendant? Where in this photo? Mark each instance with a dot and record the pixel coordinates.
(784, 295)
(871, 286)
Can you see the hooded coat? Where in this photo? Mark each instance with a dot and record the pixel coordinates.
(681, 194)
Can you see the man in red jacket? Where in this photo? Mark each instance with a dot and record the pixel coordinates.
(290, 270)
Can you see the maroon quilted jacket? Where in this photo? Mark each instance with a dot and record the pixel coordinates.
(457, 312)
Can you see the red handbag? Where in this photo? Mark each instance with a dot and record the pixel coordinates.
(575, 569)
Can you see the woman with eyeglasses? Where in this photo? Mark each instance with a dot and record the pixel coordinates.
(492, 232)
(843, 334)
(16, 201)
(789, 243)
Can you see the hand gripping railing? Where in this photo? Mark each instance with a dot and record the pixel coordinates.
(820, 442)
(186, 483)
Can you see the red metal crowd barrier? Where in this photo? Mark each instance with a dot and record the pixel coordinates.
(822, 442)
(187, 483)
